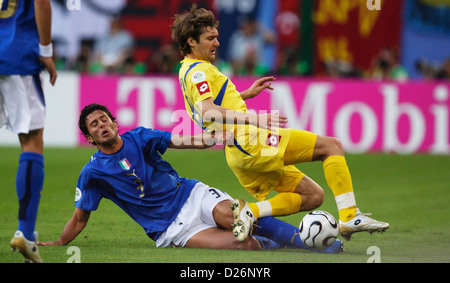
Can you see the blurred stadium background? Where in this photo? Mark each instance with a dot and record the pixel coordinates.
(375, 74)
(344, 38)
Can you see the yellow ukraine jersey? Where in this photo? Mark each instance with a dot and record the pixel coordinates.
(257, 156)
(200, 80)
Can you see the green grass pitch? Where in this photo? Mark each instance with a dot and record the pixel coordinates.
(411, 192)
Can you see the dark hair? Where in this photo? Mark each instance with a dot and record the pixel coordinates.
(191, 24)
(88, 109)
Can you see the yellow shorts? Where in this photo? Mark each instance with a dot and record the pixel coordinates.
(260, 172)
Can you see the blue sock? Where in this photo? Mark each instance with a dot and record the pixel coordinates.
(287, 235)
(267, 244)
(284, 233)
(29, 182)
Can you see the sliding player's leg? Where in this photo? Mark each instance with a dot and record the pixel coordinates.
(217, 238)
(210, 228)
(287, 235)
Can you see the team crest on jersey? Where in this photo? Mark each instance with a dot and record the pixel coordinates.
(198, 76)
(77, 194)
(273, 140)
(203, 87)
(125, 164)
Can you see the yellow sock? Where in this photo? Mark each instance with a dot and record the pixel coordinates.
(340, 182)
(254, 209)
(280, 205)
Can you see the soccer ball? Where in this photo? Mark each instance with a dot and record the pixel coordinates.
(318, 230)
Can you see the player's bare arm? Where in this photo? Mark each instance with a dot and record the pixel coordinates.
(257, 87)
(43, 14)
(201, 141)
(213, 112)
(73, 227)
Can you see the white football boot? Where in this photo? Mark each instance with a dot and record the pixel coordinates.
(243, 219)
(27, 248)
(361, 222)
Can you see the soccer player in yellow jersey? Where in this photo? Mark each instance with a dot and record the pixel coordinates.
(263, 154)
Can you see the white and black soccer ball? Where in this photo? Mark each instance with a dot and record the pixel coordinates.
(318, 230)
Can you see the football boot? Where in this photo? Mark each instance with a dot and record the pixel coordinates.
(361, 222)
(243, 219)
(27, 248)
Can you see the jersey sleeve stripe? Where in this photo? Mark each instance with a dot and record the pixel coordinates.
(190, 68)
(220, 96)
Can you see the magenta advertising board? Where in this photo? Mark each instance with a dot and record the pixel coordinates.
(366, 116)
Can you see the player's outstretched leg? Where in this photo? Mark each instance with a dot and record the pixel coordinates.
(288, 236)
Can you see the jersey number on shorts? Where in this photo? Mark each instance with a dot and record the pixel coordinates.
(214, 192)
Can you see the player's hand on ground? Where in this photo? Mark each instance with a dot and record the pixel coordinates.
(51, 243)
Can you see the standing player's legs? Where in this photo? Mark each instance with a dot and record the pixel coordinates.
(329, 150)
(29, 181)
(337, 175)
(24, 113)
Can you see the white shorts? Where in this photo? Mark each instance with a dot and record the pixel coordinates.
(22, 103)
(196, 215)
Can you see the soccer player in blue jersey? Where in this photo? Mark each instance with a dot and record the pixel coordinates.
(25, 49)
(174, 211)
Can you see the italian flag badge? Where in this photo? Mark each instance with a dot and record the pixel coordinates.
(125, 164)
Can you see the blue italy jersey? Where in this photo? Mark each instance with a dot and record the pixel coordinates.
(137, 179)
(19, 38)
